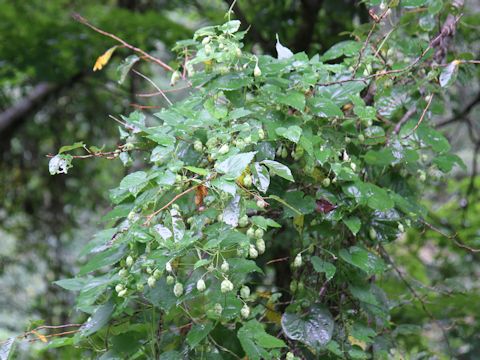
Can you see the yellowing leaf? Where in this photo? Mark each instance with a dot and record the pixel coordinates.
(354, 341)
(104, 59)
(298, 222)
(264, 294)
(42, 337)
(273, 316)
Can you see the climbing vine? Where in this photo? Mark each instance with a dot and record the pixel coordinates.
(257, 226)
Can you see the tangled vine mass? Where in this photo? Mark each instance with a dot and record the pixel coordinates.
(259, 223)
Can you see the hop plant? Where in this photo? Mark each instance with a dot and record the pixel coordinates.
(245, 292)
(201, 286)
(178, 289)
(285, 147)
(226, 286)
(297, 262)
(245, 312)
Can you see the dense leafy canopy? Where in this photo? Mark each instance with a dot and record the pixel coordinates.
(262, 212)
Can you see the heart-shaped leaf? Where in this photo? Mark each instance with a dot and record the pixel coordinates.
(314, 328)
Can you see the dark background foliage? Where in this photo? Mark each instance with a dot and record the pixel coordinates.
(49, 96)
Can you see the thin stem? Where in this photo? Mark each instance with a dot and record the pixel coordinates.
(152, 215)
(430, 98)
(154, 85)
(84, 21)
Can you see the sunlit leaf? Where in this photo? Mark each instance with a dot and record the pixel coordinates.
(104, 59)
(282, 51)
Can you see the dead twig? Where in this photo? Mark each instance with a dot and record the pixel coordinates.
(277, 260)
(82, 20)
(454, 238)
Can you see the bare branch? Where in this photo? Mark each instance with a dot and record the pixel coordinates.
(404, 119)
(84, 21)
(461, 115)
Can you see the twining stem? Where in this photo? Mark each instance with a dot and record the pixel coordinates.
(152, 215)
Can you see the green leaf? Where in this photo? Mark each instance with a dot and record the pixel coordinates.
(99, 241)
(293, 99)
(264, 223)
(58, 343)
(283, 202)
(161, 296)
(322, 266)
(161, 154)
(241, 267)
(66, 148)
(279, 169)
(201, 263)
(170, 355)
(74, 284)
(435, 139)
(413, 3)
(446, 162)
(234, 165)
(255, 340)
(198, 333)
(374, 135)
(98, 320)
(108, 257)
(159, 136)
(363, 259)
(313, 328)
(364, 294)
(261, 177)
(362, 333)
(125, 66)
(325, 107)
(334, 348)
(125, 343)
(197, 170)
(357, 354)
(341, 94)
(291, 133)
(231, 82)
(238, 113)
(344, 48)
(353, 223)
(133, 180)
(230, 27)
(378, 198)
(304, 203)
(383, 157)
